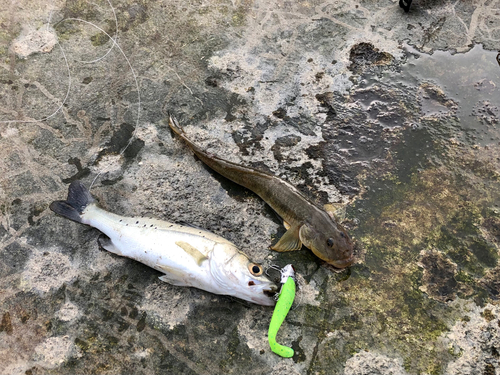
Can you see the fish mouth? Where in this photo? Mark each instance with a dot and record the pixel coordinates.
(342, 263)
(270, 292)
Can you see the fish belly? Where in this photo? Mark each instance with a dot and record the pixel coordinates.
(156, 243)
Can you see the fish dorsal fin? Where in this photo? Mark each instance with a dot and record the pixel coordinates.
(336, 211)
(193, 252)
(290, 241)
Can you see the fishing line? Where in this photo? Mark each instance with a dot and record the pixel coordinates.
(114, 40)
(131, 69)
(114, 43)
(67, 91)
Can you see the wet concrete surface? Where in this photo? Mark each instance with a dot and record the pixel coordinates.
(394, 115)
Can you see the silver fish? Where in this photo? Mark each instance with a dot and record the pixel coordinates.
(187, 256)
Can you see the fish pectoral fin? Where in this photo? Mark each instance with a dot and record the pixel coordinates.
(192, 251)
(286, 225)
(290, 241)
(174, 276)
(108, 245)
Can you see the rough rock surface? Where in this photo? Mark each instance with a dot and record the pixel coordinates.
(394, 115)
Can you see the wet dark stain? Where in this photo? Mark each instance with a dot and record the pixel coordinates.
(109, 182)
(123, 326)
(365, 54)
(234, 102)
(141, 324)
(298, 352)
(488, 315)
(133, 312)
(489, 369)
(326, 101)
(303, 124)
(284, 142)
(25, 316)
(35, 211)
(6, 324)
(211, 81)
(280, 113)
(87, 80)
(250, 136)
(106, 314)
(439, 276)
(494, 352)
(82, 172)
(82, 344)
(119, 140)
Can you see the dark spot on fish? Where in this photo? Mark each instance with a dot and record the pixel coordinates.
(144, 225)
(121, 220)
(137, 222)
(151, 225)
(251, 283)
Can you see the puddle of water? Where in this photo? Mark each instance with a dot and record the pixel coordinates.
(466, 85)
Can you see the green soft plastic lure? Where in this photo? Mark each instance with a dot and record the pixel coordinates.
(286, 297)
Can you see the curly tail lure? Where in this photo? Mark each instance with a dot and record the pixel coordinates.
(286, 297)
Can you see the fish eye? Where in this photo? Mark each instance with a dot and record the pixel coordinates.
(255, 269)
(329, 242)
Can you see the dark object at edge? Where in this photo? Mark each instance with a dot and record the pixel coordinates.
(405, 4)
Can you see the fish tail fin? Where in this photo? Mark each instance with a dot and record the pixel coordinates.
(174, 125)
(78, 199)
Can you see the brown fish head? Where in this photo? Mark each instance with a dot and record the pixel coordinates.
(329, 242)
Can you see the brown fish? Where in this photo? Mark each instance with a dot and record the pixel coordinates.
(306, 223)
